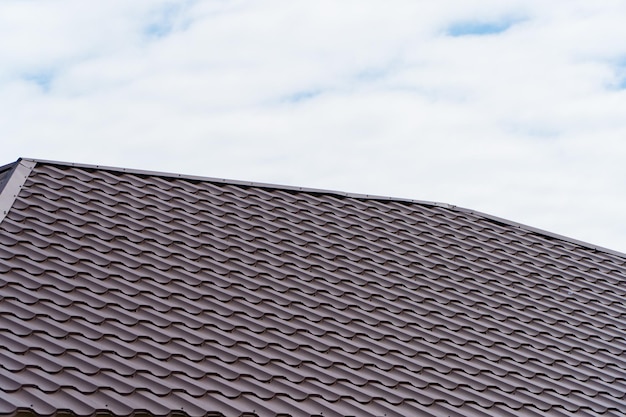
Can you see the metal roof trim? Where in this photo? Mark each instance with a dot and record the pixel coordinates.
(240, 182)
(327, 192)
(540, 231)
(20, 171)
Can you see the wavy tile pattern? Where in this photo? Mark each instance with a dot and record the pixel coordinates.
(129, 293)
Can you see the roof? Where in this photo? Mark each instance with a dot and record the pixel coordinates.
(138, 293)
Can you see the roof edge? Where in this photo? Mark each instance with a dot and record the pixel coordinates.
(238, 182)
(17, 176)
(32, 162)
(537, 230)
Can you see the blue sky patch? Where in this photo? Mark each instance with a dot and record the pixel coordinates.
(379, 72)
(164, 21)
(43, 79)
(303, 95)
(621, 74)
(617, 82)
(480, 28)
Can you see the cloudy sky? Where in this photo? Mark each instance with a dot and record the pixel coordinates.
(516, 108)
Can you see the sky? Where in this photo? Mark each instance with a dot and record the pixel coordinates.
(515, 108)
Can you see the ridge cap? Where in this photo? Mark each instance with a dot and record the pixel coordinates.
(191, 177)
(539, 231)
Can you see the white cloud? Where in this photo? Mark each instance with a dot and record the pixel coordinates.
(525, 123)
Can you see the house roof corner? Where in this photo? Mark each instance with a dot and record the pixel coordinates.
(12, 179)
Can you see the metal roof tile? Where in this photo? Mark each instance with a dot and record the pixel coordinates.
(124, 290)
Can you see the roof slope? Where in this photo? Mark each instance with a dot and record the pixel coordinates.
(132, 292)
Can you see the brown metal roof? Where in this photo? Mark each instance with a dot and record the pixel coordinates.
(137, 293)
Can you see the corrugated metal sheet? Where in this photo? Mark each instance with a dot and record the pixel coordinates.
(129, 292)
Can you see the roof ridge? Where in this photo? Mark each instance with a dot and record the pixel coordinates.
(241, 182)
(15, 175)
(452, 207)
(537, 230)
